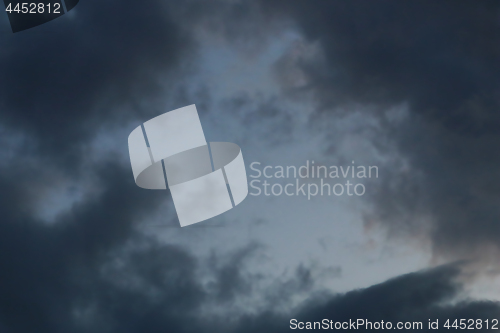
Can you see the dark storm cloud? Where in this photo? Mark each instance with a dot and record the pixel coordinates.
(90, 271)
(413, 297)
(60, 80)
(230, 280)
(441, 58)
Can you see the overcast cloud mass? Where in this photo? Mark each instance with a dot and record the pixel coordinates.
(412, 87)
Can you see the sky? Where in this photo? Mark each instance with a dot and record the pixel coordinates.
(412, 88)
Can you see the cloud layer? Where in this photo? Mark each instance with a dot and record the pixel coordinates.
(113, 64)
(439, 61)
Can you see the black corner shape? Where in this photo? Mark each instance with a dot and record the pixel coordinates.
(27, 14)
(70, 4)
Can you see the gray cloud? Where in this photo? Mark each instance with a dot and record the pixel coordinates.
(91, 271)
(62, 80)
(412, 297)
(94, 273)
(441, 60)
